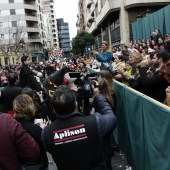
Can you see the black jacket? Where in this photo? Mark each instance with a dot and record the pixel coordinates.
(8, 94)
(155, 83)
(27, 79)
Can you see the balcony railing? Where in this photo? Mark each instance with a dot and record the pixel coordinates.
(33, 29)
(30, 7)
(31, 18)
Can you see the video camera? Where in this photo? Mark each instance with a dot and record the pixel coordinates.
(83, 82)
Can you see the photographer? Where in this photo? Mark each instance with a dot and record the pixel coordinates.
(41, 107)
(74, 140)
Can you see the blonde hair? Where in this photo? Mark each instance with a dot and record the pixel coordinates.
(137, 56)
(23, 107)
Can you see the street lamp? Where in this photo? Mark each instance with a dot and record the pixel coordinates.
(21, 42)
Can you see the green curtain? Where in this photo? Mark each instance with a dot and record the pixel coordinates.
(156, 20)
(143, 28)
(167, 19)
(161, 18)
(151, 23)
(134, 31)
(143, 129)
(146, 22)
(139, 29)
(144, 33)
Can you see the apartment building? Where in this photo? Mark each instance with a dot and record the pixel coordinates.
(112, 20)
(48, 9)
(21, 29)
(64, 36)
(81, 16)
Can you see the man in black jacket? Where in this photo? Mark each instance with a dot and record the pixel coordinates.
(74, 140)
(155, 83)
(9, 93)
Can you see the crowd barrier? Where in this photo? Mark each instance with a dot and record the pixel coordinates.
(143, 129)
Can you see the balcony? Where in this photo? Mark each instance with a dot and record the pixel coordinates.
(34, 40)
(31, 7)
(29, 17)
(33, 29)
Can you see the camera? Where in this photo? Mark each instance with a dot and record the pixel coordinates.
(83, 83)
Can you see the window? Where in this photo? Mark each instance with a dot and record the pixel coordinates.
(11, 1)
(1, 24)
(14, 35)
(96, 8)
(12, 12)
(2, 36)
(14, 23)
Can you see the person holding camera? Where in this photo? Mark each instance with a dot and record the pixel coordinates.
(73, 139)
(106, 56)
(41, 108)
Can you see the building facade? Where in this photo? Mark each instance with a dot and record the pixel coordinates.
(48, 9)
(64, 36)
(21, 29)
(81, 16)
(112, 20)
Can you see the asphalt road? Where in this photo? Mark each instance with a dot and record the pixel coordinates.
(119, 162)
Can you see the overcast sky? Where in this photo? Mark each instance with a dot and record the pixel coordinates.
(68, 9)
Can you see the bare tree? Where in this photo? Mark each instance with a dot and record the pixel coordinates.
(12, 35)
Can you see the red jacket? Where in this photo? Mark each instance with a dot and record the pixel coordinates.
(15, 144)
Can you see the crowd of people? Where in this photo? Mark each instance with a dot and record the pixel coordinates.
(74, 138)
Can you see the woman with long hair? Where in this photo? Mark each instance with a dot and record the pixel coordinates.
(105, 87)
(106, 55)
(23, 110)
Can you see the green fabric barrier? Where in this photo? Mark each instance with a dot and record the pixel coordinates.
(156, 20)
(134, 31)
(143, 129)
(144, 35)
(139, 29)
(146, 22)
(151, 22)
(167, 19)
(161, 18)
